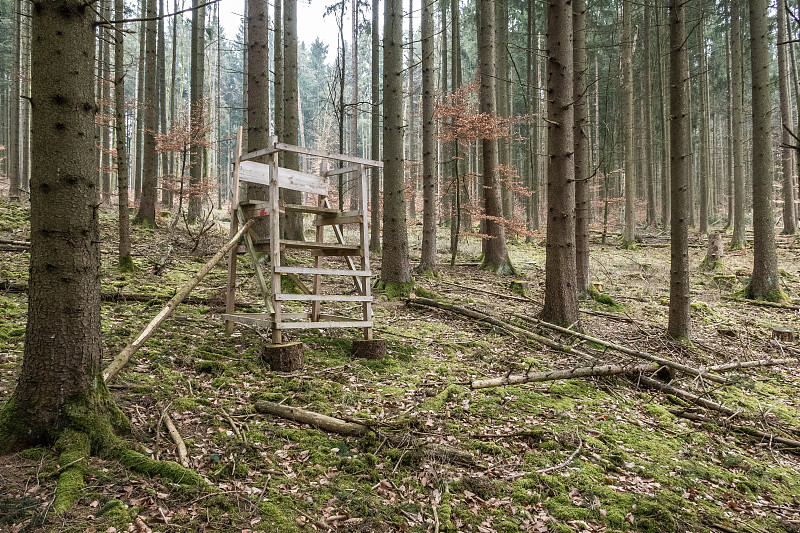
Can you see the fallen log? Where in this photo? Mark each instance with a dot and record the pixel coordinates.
(740, 429)
(553, 375)
(24, 244)
(761, 303)
(628, 351)
(686, 395)
(124, 356)
(477, 315)
(353, 429)
(176, 437)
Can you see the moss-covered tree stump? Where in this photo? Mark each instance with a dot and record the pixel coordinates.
(783, 334)
(286, 357)
(369, 349)
(520, 287)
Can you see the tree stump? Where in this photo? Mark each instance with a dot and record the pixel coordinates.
(286, 357)
(715, 251)
(520, 287)
(369, 349)
(783, 334)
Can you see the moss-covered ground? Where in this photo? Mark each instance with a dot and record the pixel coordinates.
(638, 466)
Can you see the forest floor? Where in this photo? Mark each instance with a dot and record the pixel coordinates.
(624, 461)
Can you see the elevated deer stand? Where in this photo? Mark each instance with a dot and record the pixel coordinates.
(261, 167)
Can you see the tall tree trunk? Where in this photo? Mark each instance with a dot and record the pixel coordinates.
(394, 260)
(532, 122)
(729, 134)
(495, 256)
(354, 83)
(99, 98)
(680, 173)
(581, 143)
(666, 144)
(375, 134)
(25, 120)
(13, 149)
(277, 58)
(410, 114)
(162, 102)
(428, 255)
(503, 85)
(737, 65)
(125, 261)
(140, 106)
(257, 68)
(789, 193)
(197, 111)
(561, 297)
(106, 163)
(647, 108)
(629, 232)
(147, 207)
(173, 104)
(765, 282)
(294, 221)
(61, 362)
(704, 130)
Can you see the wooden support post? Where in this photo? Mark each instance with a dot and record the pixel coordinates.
(275, 243)
(262, 283)
(366, 285)
(320, 235)
(230, 295)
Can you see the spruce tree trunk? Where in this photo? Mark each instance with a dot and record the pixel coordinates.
(765, 282)
(680, 173)
(581, 143)
(375, 134)
(394, 260)
(173, 104)
(257, 122)
(410, 132)
(495, 252)
(140, 105)
(704, 130)
(666, 144)
(647, 109)
(503, 85)
(121, 136)
(105, 171)
(739, 200)
(162, 103)
(789, 193)
(629, 232)
(294, 221)
(428, 254)
(147, 207)
(197, 115)
(62, 339)
(561, 297)
(532, 123)
(12, 152)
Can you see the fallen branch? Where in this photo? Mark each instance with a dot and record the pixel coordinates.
(553, 375)
(688, 396)
(569, 459)
(741, 429)
(761, 303)
(124, 356)
(24, 244)
(477, 315)
(234, 425)
(753, 364)
(352, 429)
(628, 351)
(493, 293)
(173, 432)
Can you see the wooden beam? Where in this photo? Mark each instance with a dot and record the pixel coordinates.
(323, 271)
(326, 324)
(253, 172)
(329, 155)
(322, 298)
(343, 170)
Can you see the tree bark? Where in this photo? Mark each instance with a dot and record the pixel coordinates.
(410, 132)
(121, 136)
(197, 110)
(12, 152)
(647, 109)
(62, 350)
(495, 256)
(581, 143)
(140, 104)
(257, 123)
(532, 111)
(375, 134)
(704, 182)
(666, 147)
(680, 173)
(394, 260)
(503, 86)
(294, 221)
(560, 299)
(162, 103)
(147, 207)
(765, 282)
(789, 192)
(428, 254)
(737, 64)
(629, 233)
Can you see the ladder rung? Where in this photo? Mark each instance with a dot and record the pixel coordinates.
(326, 324)
(322, 298)
(323, 271)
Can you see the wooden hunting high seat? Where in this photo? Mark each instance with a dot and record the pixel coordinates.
(261, 167)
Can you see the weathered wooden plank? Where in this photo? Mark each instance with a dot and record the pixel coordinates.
(329, 155)
(258, 153)
(314, 210)
(343, 170)
(253, 172)
(322, 297)
(326, 324)
(337, 220)
(323, 271)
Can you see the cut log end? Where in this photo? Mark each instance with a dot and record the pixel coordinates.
(369, 349)
(286, 357)
(783, 334)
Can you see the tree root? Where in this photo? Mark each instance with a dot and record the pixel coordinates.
(74, 449)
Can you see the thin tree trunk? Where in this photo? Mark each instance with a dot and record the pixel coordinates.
(428, 254)
(196, 100)
(704, 130)
(410, 133)
(503, 90)
(147, 207)
(105, 166)
(629, 233)
(581, 144)
(647, 109)
(173, 104)
(765, 282)
(13, 150)
(294, 221)
(680, 173)
(560, 299)
(532, 123)
(666, 144)
(257, 77)
(121, 135)
(737, 64)
(162, 101)
(140, 105)
(375, 134)
(789, 207)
